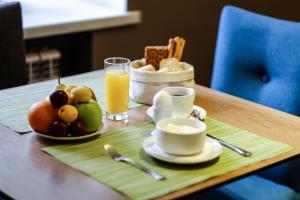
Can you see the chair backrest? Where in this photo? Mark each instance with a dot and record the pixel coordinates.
(258, 58)
(12, 55)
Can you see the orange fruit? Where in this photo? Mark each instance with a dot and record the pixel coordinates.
(41, 114)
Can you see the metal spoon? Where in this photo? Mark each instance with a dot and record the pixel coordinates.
(112, 152)
(196, 114)
(243, 152)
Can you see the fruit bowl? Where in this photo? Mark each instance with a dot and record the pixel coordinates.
(70, 112)
(69, 138)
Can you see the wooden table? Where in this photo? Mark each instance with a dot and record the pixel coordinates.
(28, 173)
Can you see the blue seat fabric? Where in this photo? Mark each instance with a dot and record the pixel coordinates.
(250, 188)
(258, 58)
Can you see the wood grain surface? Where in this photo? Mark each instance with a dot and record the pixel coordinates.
(28, 173)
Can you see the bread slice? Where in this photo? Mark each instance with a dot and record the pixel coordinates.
(154, 54)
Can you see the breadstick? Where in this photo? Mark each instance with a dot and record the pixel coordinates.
(177, 49)
(181, 48)
(171, 47)
(174, 50)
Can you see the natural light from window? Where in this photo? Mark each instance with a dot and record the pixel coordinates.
(48, 12)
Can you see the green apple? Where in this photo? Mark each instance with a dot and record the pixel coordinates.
(90, 113)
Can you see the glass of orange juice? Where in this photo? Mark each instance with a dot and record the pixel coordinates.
(116, 87)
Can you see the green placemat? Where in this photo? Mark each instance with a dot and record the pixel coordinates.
(91, 159)
(15, 102)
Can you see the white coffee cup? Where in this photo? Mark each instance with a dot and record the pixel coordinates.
(174, 141)
(183, 100)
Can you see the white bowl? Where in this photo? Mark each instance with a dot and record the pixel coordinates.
(144, 85)
(177, 143)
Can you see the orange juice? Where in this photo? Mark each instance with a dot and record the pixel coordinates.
(116, 90)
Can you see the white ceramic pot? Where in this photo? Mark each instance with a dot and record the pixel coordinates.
(179, 143)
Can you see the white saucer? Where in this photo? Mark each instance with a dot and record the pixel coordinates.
(201, 111)
(212, 149)
(69, 138)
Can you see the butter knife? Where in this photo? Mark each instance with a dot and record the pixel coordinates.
(238, 150)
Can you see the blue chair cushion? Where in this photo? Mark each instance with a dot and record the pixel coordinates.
(286, 173)
(258, 58)
(252, 187)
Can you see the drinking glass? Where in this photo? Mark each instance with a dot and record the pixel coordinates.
(116, 87)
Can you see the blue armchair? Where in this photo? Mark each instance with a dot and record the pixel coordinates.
(258, 58)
